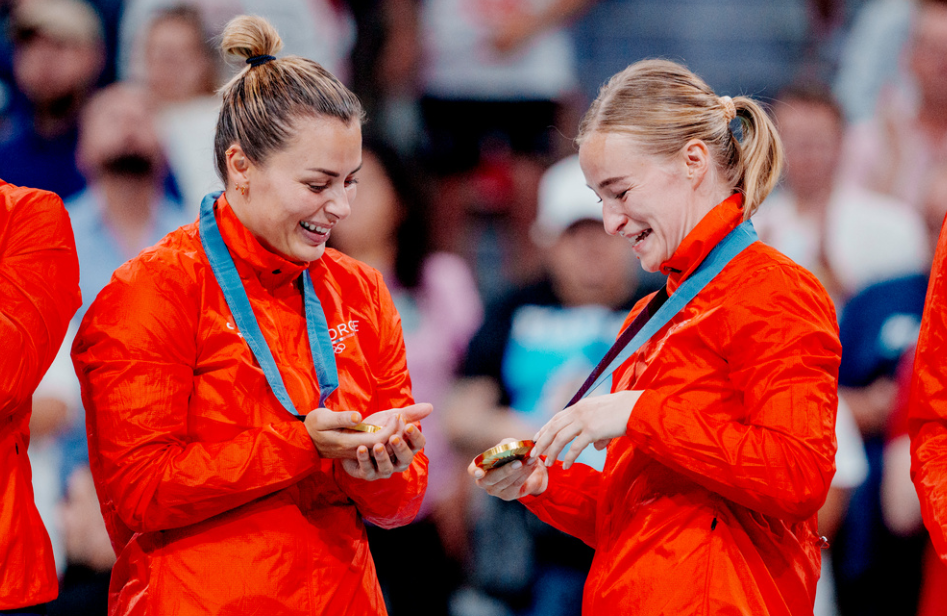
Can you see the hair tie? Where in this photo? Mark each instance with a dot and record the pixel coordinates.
(729, 109)
(258, 60)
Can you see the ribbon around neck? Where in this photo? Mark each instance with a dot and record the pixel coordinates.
(320, 345)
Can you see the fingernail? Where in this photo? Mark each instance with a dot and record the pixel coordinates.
(395, 441)
(410, 429)
(355, 418)
(517, 465)
(479, 474)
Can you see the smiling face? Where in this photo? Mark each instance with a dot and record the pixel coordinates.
(299, 193)
(651, 202)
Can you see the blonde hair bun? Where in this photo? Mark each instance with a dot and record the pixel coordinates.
(248, 36)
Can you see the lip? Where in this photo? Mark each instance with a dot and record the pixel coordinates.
(313, 237)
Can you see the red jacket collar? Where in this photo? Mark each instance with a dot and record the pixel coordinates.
(712, 228)
(273, 270)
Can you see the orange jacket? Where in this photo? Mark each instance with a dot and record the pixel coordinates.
(927, 414)
(214, 496)
(708, 504)
(39, 293)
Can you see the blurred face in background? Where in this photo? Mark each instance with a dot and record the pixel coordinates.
(376, 212)
(587, 266)
(117, 134)
(812, 138)
(47, 69)
(178, 65)
(928, 54)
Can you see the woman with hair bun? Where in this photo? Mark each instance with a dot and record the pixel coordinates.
(720, 424)
(202, 356)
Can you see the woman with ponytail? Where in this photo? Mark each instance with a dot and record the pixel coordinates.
(720, 421)
(246, 391)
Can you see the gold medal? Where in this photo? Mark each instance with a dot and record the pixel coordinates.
(364, 427)
(504, 454)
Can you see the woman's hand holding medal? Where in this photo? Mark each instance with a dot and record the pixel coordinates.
(523, 476)
(369, 455)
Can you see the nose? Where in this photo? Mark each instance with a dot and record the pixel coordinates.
(339, 206)
(613, 222)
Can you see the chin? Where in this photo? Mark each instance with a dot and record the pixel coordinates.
(310, 253)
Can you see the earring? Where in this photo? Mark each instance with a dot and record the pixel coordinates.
(242, 189)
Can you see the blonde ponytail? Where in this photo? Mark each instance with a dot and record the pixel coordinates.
(664, 105)
(761, 154)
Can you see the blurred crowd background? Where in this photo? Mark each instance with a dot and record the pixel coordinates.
(471, 204)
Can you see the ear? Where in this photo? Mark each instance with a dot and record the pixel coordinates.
(697, 160)
(238, 165)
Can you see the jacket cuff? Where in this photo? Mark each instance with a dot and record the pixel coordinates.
(643, 416)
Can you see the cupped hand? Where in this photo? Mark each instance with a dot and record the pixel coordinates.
(381, 462)
(327, 429)
(514, 480)
(590, 421)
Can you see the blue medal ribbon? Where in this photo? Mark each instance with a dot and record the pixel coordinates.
(662, 308)
(221, 262)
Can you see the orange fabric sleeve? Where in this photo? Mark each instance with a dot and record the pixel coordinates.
(570, 501)
(39, 289)
(927, 418)
(776, 454)
(395, 501)
(134, 356)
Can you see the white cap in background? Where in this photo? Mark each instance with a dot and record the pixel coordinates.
(564, 199)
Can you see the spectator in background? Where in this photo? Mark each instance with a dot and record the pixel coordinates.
(125, 207)
(496, 79)
(440, 309)
(56, 408)
(894, 151)
(851, 470)
(39, 292)
(180, 73)
(877, 571)
(871, 57)
(847, 235)
(57, 57)
(319, 29)
(534, 350)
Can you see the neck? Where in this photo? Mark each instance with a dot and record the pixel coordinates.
(128, 204)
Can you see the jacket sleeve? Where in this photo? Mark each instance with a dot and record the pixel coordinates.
(927, 415)
(39, 288)
(395, 501)
(135, 357)
(776, 454)
(569, 502)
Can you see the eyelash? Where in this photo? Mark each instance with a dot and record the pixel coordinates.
(619, 196)
(319, 189)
